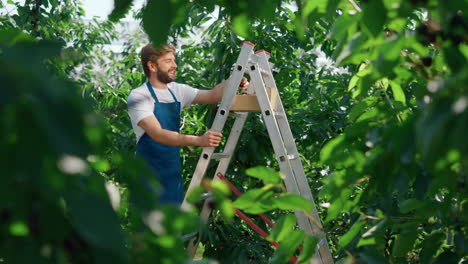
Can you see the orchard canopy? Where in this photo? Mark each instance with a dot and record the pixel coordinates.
(376, 93)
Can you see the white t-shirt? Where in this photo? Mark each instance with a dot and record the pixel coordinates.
(141, 103)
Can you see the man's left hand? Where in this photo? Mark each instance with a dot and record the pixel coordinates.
(244, 84)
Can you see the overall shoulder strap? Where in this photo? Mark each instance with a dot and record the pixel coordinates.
(173, 96)
(150, 89)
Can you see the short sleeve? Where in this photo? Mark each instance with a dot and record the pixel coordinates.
(188, 95)
(139, 106)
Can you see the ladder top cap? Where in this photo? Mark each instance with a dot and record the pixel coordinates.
(248, 43)
(259, 51)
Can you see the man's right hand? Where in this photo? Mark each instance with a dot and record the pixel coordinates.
(210, 139)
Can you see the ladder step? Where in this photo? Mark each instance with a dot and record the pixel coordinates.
(220, 155)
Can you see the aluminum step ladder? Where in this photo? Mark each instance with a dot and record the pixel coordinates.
(262, 96)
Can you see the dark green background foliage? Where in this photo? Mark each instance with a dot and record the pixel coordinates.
(383, 143)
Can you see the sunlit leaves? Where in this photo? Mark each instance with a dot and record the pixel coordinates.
(289, 239)
(255, 201)
(392, 139)
(398, 92)
(19, 228)
(308, 249)
(352, 233)
(292, 202)
(241, 25)
(268, 175)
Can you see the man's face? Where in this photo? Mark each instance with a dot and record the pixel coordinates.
(166, 68)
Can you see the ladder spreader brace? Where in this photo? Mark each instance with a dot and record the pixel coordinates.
(262, 96)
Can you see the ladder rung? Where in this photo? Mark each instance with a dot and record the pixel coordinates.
(220, 155)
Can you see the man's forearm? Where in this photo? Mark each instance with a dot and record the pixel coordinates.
(218, 90)
(172, 138)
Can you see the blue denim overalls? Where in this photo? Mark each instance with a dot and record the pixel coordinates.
(163, 160)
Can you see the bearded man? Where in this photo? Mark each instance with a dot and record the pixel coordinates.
(154, 110)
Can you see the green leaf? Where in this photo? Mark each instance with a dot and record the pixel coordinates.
(196, 194)
(353, 82)
(314, 10)
(352, 233)
(227, 209)
(100, 165)
(374, 17)
(455, 59)
(241, 25)
(389, 56)
(398, 93)
(375, 235)
(19, 228)
(290, 201)
(361, 107)
(431, 245)
(341, 26)
(157, 15)
(308, 249)
(11, 36)
(410, 205)
(333, 145)
(121, 8)
(352, 48)
(96, 221)
(288, 247)
(266, 174)
(255, 201)
(300, 28)
(404, 242)
(372, 113)
(282, 228)
(221, 187)
(331, 8)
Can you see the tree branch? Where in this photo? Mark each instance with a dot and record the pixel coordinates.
(355, 6)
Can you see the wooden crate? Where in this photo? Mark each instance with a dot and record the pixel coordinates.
(249, 103)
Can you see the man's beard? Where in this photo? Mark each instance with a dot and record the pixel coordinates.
(164, 77)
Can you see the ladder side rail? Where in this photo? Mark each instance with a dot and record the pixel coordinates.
(288, 138)
(296, 163)
(286, 133)
(233, 138)
(221, 116)
(277, 142)
(229, 148)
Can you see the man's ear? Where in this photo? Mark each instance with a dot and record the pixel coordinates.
(151, 66)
